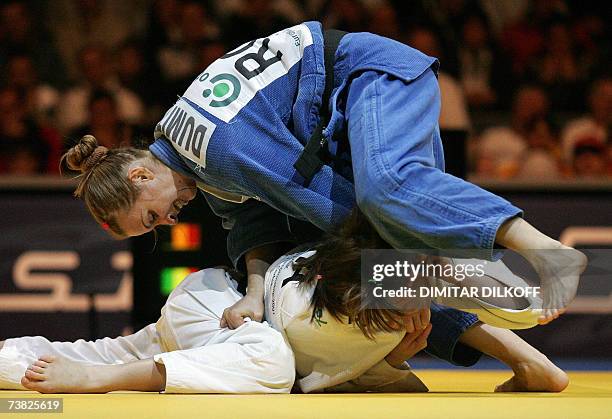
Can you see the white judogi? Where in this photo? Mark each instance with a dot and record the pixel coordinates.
(199, 356)
(335, 356)
(331, 355)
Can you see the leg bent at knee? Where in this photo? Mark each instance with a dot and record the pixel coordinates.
(253, 359)
(191, 317)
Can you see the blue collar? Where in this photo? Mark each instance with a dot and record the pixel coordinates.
(163, 150)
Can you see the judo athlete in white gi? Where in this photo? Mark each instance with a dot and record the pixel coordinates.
(201, 357)
(198, 356)
(360, 363)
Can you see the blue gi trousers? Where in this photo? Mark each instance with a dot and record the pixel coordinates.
(400, 185)
(398, 167)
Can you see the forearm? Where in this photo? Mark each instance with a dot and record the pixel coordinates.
(383, 378)
(257, 263)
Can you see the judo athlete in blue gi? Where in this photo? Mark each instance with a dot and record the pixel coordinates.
(280, 138)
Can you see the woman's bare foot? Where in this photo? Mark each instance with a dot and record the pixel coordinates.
(559, 270)
(53, 374)
(558, 266)
(1, 344)
(537, 375)
(532, 370)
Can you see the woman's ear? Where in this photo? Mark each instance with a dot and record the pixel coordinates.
(140, 174)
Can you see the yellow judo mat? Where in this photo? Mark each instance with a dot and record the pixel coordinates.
(454, 395)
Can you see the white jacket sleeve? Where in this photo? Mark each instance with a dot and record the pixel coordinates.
(383, 378)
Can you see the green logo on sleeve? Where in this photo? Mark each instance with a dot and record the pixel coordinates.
(224, 90)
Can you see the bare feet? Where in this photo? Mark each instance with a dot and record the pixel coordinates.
(53, 374)
(559, 270)
(536, 375)
(1, 344)
(558, 266)
(532, 370)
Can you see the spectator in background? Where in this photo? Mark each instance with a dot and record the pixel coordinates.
(19, 34)
(454, 119)
(482, 73)
(108, 23)
(26, 148)
(136, 75)
(560, 69)
(250, 19)
(21, 74)
(590, 32)
(197, 24)
(453, 113)
(347, 15)
(97, 74)
(187, 26)
(163, 31)
(163, 26)
(524, 39)
(23, 160)
(542, 158)
(590, 160)
(501, 14)
(209, 52)
(530, 103)
(594, 126)
(500, 150)
(383, 21)
(497, 153)
(447, 17)
(105, 124)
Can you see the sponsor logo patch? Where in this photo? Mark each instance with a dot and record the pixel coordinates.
(188, 131)
(229, 83)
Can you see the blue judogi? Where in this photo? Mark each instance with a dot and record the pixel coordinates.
(243, 122)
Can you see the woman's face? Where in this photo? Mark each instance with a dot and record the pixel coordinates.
(162, 195)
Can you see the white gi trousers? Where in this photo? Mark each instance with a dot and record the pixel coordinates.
(199, 356)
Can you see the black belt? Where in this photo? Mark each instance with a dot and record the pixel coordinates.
(315, 153)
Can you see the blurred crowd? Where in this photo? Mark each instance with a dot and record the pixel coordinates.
(528, 81)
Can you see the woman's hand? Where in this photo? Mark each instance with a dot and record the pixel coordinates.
(413, 320)
(409, 346)
(248, 306)
(258, 261)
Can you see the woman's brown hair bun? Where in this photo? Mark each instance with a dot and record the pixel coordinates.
(85, 155)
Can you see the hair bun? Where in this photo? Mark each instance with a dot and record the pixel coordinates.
(85, 155)
(98, 154)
